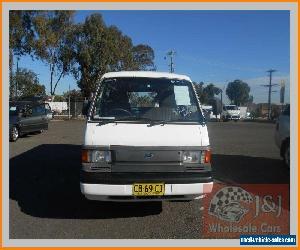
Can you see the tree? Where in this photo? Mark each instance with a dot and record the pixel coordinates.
(210, 91)
(143, 56)
(21, 36)
(216, 105)
(21, 31)
(238, 92)
(93, 49)
(74, 95)
(28, 83)
(59, 98)
(206, 94)
(199, 90)
(98, 49)
(52, 29)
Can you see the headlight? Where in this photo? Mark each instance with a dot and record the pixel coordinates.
(95, 156)
(196, 156)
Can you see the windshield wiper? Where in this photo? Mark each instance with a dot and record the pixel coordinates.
(163, 122)
(151, 122)
(105, 120)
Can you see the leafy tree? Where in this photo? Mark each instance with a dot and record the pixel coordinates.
(98, 49)
(74, 95)
(216, 105)
(59, 98)
(199, 90)
(21, 36)
(28, 83)
(52, 29)
(143, 56)
(21, 31)
(238, 92)
(210, 91)
(87, 50)
(120, 47)
(93, 50)
(206, 94)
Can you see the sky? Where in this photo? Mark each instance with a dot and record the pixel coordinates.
(211, 46)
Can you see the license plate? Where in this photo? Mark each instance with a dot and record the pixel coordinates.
(148, 189)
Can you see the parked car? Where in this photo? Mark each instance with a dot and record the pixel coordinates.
(230, 112)
(145, 139)
(282, 135)
(26, 117)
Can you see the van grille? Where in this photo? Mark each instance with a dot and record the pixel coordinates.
(194, 168)
(99, 168)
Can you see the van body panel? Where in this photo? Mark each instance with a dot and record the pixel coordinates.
(131, 134)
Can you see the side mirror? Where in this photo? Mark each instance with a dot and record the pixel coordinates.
(85, 107)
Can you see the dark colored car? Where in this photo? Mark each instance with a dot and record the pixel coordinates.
(26, 117)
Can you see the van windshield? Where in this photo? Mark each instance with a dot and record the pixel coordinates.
(146, 99)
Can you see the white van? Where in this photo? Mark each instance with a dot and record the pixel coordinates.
(145, 139)
(231, 112)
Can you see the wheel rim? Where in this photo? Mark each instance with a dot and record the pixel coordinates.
(15, 133)
(287, 156)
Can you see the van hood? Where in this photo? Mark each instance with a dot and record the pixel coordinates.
(130, 134)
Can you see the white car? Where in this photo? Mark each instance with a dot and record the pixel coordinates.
(145, 139)
(282, 135)
(230, 112)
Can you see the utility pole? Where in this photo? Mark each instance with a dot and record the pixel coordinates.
(171, 54)
(282, 91)
(270, 85)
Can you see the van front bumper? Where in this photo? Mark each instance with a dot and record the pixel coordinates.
(124, 192)
(118, 186)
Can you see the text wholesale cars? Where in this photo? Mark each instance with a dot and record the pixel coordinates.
(145, 139)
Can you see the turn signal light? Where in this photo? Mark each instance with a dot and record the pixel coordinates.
(84, 155)
(207, 156)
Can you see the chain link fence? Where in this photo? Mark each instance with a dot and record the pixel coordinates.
(69, 109)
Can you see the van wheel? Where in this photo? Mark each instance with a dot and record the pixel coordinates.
(286, 154)
(14, 134)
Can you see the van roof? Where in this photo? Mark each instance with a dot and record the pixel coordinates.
(150, 74)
